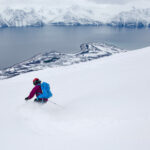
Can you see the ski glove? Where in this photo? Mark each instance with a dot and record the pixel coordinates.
(26, 98)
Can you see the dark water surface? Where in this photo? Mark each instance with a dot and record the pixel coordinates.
(18, 44)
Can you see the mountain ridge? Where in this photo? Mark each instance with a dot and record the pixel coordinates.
(74, 16)
(89, 51)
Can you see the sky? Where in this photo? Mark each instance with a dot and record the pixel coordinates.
(71, 2)
(116, 1)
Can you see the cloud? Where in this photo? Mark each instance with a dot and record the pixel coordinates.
(37, 2)
(111, 1)
(117, 1)
(60, 3)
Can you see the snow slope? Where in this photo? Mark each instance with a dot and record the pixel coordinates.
(104, 105)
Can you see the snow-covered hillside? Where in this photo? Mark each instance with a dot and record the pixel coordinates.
(89, 51)
(76, 15)
(135, 18)
(104, 105)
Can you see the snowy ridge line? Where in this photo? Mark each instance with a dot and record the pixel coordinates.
(89, 51)
(75, 15)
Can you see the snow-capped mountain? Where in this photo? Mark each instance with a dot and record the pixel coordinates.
(89, 51)
(75, 15)
(19, 18)
(133, 18)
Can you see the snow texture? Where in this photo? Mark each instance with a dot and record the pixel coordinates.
(89, 51)
(103, 105)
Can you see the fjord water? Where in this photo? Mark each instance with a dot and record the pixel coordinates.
(18, 44)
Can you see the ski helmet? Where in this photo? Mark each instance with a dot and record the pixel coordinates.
(36, 81)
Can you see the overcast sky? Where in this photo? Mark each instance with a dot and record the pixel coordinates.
(69, 2)
(116, 1)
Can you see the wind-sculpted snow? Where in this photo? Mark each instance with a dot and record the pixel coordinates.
(89, 51)
(74, 15)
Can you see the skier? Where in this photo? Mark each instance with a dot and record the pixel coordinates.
(42, 91)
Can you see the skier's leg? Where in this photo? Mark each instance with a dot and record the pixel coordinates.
(40, 100)
(37, 100)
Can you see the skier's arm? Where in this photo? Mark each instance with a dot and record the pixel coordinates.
(32, 93)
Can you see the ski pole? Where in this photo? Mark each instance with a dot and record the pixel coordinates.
(56, 104)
